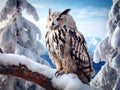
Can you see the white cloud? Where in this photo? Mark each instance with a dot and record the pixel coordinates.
(94, 27)
(38, 6)
(91, 21)
(91, 26)
(91, 12)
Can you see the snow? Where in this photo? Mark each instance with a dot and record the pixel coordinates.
(108, 50)
(9, 9)
(64, 82)
(27, 38)
(116, 62)
(19, 20)
(20, 37)
(30, 9)
(117, 85)
(99, 53)
(115, 42)
(33, 28)
(105, 78)
(12, 59)
(71, 82)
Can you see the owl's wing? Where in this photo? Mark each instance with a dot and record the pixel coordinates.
(79, 53)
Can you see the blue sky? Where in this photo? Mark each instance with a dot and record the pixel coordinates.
(75, 3)
(90, 15)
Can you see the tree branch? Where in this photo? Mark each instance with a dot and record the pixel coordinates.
(23, 72)
(25, 68)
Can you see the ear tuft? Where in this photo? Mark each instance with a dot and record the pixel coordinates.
(50, 11)
(65, 11)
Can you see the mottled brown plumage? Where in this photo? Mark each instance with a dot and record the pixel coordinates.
(66, 45)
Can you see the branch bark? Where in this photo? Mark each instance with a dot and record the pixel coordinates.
(25, 68)
(23, 72)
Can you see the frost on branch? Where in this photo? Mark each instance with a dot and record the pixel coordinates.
(10, 9)
(19, 36)
(25, 68)
(109, 50)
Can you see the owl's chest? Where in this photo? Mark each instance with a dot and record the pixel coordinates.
(52, 41)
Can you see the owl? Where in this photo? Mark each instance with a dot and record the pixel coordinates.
(67, 46)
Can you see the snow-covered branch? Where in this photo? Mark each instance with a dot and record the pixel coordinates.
(19, 36)
(11, 7)
(109, 51)
(25, 68)
(23, 72)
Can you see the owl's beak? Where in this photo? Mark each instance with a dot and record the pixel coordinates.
(53, 24)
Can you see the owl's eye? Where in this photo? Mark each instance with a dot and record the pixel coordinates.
(59, 19)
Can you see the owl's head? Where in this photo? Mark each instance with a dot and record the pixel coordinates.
(59, 18)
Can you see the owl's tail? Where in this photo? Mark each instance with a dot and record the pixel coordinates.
(85, 69)
(85, 79)
(85, 75)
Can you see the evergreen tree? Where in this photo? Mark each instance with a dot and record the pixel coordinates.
(19, 36)
(109, 50)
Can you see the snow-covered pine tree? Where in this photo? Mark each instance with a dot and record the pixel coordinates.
(109, 50)
(19, 36)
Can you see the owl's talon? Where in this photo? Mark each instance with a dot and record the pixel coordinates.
(57, 73)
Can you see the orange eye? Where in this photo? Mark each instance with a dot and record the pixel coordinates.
(59, 19)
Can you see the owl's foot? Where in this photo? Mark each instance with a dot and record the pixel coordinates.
(63, 71)
(58, 73)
